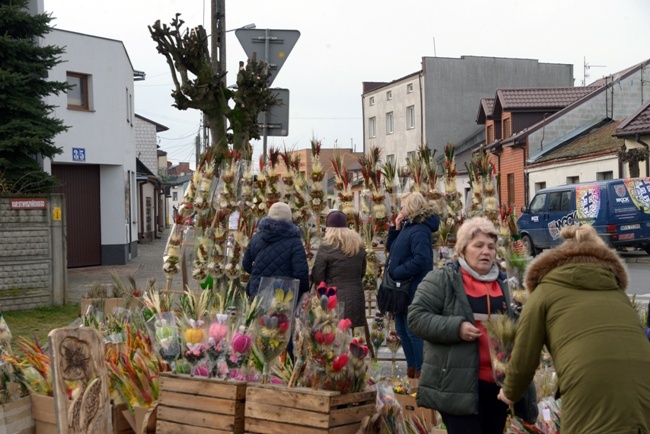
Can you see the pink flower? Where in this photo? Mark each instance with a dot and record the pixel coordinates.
(218, 331)
(344, 324)
(357, 350)
(241, 343)
(332, 302)
(319, 337)
(329, 338)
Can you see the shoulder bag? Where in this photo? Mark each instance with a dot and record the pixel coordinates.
(393, 295)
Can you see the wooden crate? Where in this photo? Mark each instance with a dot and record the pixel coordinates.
(199, 405)
(16, 417)
(273, 409)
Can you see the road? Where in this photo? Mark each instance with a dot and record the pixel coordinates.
(639, 275)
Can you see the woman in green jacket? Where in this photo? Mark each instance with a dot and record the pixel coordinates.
(578, 308)
(447, 313)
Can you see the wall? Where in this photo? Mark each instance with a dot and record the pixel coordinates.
(32, 255)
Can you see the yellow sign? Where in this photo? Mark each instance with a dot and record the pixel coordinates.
(56, 213)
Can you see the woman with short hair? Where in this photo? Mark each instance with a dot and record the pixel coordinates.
(448, 312)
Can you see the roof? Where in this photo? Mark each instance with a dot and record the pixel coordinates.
(159, 127)
(369, 86)
(637, 123)
(539, 98)
(593, 140)
(177, 180)
(56, 29)
(485, 109)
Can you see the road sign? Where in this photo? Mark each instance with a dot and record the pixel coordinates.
(270, 45)
(277, 118)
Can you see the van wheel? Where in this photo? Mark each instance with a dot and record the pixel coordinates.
(528, 244)
(647, 249)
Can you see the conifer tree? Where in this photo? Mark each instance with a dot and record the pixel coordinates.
(27, 129)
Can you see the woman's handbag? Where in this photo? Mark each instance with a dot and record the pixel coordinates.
(393, 295)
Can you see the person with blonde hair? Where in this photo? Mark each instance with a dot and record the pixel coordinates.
(410, 256)
(448, 312)
(341, 262)
(578, 308)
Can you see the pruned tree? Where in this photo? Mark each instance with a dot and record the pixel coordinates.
(27, 129)
(198, 84)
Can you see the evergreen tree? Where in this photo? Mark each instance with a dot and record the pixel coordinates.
(26, 128)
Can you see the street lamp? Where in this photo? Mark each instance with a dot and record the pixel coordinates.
(247, 26)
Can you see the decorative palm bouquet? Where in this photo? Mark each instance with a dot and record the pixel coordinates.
(377, 332)
(194, 309)
(501, 330)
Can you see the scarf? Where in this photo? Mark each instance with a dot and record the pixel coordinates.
(491, 275)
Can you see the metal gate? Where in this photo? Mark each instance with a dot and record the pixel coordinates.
(80, 184)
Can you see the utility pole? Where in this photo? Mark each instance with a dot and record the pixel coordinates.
(218, 52)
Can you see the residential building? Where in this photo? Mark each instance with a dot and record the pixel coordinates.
(434, 106)
(98, 164)
(615, 97)
(635, 130)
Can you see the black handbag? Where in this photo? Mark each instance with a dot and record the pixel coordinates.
(393, 295)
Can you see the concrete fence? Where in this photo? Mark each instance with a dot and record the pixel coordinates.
(32, 251)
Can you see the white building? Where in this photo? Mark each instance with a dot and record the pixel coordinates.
(98, 164)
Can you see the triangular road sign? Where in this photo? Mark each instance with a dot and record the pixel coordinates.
(269, 45)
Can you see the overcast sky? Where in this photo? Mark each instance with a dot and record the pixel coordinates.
(346, 42)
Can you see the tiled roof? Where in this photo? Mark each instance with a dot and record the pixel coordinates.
(485, 110)
(540, 98)
(637, 123)
(597, 141)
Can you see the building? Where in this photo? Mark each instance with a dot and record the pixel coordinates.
(435, 105)
(97, 167)
(635, 130)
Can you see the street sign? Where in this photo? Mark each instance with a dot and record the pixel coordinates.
(270, 45)
(277, 118)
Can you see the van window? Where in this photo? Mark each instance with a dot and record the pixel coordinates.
(537, 205)
(559, 201)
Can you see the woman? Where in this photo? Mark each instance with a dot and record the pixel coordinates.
(276, 250)
(341, 262)
(578, 308)
(411, 257)
(448, 313)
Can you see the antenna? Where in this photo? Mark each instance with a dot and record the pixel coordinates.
(586, 67)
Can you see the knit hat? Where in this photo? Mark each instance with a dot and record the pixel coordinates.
(280, 211)
(336, 219)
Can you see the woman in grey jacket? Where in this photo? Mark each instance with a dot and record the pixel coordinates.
(447, 313)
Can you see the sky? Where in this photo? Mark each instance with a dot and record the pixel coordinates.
(346, 42)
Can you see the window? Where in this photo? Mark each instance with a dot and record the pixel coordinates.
(604, 176)
(511, 188)
(410, 155)
(175, 196)
(559, 201)
(390, 123)
(409, 88)
(78, 95)
(372, 100)
(507, 128)
(490, 134)
(372, 127)
(390, 158)
(539, 186)
(572, 179)
(410, 117)
(537, 205)
(389, 95)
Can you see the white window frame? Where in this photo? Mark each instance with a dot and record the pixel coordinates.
(410, 117)
(409, 88)
(389, 95)
(371, 100)
(372, 127)
(390, 158)
(604, 176)
(390, 123)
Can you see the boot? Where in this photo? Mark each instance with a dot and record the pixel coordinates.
(417, 374)
(410, 372)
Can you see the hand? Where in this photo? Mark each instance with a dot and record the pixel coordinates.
(468, 332)
(502, 397)
(398, 221)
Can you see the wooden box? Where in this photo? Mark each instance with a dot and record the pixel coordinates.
(120, 423)
(274, 409)
(199, 405)
(43, 414)
(409, 406)
(16, 417)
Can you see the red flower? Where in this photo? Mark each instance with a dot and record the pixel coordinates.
(319, 337)
(357, 350)
(284, 326)
(344, 324)
(339, 362)
(332, 302)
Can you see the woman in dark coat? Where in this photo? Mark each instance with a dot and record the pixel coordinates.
(411, 257)
(276, 250)
(341, 262)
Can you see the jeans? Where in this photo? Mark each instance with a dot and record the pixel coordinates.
(412, 345)
(491, 417)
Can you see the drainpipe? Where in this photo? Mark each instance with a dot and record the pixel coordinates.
(526, 180)
(647, 158)
(422, 119)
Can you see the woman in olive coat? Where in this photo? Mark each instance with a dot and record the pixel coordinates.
(578, 308)
(341, 262)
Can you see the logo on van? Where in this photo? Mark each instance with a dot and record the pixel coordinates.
(620, 190)
(555, 226)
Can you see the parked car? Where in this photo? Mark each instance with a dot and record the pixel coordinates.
(619, 210)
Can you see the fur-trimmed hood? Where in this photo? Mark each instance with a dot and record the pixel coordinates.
(570, 252)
